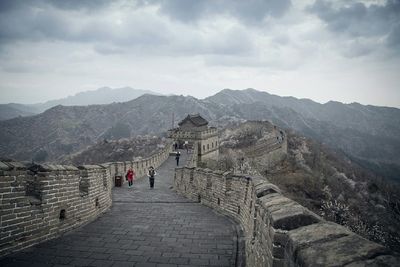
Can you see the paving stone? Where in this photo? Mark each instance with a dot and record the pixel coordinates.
(179, 260)
(81, 262)
(62, 260)
(113, 251)
(134, 252)
(99, 256)
(138, 258)
(146, 264)
(124, 264)
(102, 263)
(158, 259)
(119, 257)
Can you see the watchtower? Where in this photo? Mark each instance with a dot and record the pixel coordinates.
(194, 130)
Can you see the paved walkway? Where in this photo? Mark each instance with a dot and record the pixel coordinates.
(145, 227)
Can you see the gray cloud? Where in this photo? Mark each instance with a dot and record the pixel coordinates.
(393, 39)
(356, 19)
(47, 23)
(88, 5)
(249, 11)
(136, 32)
(189, 10)
(25, 22)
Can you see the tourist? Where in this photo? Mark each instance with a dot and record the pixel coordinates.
(187, 147)
(152, 173)
(178, 155)
(130, 175)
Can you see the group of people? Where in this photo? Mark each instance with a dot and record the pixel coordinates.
(130, 176)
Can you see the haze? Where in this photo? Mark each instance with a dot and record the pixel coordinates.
(347, 51)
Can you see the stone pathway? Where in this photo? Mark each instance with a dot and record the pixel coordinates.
(145, 227)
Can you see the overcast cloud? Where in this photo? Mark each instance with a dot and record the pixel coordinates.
(343, 50)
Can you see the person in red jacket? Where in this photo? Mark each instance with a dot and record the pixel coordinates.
(131, 176)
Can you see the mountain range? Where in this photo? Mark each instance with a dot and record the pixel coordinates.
(369, 135)
(104, 95)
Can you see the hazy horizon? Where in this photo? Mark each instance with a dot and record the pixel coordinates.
(346, 51)
(156, 91)
(30, 103)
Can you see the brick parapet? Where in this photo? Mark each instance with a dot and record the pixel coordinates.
(277, 230)
(40, 202)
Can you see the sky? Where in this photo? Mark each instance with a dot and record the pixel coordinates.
(342, 50)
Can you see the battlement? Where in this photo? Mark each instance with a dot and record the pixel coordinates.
(41, 202)
(278, 231)
(192, 135)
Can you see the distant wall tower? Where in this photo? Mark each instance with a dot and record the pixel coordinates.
(194, 130)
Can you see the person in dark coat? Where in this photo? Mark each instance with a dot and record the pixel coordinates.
(151, 174)
(178, 155)
(130, 175)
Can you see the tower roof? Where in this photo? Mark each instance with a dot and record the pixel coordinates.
(196, 119)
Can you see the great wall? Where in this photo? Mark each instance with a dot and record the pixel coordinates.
(42, 202)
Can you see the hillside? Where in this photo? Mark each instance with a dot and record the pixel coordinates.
(62, 130)
(319, 178)
(367, 134)
(117, 150)
(377, 121)
(9, 111)
(104, 95)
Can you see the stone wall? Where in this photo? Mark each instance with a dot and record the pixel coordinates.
(268, 154)
(278, 231)
(192, 159)
(41, 202)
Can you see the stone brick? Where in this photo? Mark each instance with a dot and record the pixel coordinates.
(306, 235)
(380, 261)
(291, 216)
(266, 189)
(4, 166)
(15, 165)
(8, 217)
(338, 252)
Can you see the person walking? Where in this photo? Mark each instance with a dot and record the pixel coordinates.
(130, 175)
(152, 173)
(178, 155)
